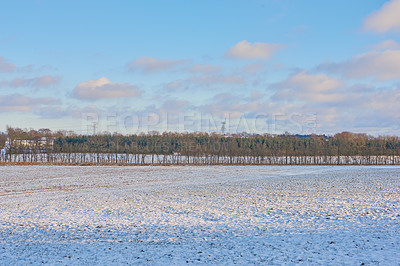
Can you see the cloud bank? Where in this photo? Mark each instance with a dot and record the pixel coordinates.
(386, 45)
(147, 64)
(6, 67)
(247, 50)
(380, 65)
(103, 88)
(385, 19)
(308, 87)
(21, 103)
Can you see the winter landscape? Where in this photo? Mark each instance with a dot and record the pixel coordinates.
(255, 132)
(158, 215)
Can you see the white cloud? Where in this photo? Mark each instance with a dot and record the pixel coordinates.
(21, 103)
(252, 68)
(204, 68)
(78, 112)
(247, 50)
(175, 85)
(31, 68)
(385, 19)
(37, 82)
(5, 66)
(308, 87)
(313, 83)
(174, 106)
(381, 65)
(103, 88)
(386, 45)
(204, 81)
(215, 79)
(150, 64)
(45, 81)
(235, 106)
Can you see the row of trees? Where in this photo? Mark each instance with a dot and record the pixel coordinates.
(200, 148)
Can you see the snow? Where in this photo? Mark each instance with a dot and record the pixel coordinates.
(213, 214)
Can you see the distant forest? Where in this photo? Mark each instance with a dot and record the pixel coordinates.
(196, 148)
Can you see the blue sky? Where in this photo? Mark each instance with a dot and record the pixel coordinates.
(263, 66)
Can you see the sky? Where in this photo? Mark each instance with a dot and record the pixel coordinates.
(258, 66)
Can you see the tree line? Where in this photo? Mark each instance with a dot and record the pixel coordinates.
(197, 148)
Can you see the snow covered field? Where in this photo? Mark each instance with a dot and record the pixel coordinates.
(213, 214)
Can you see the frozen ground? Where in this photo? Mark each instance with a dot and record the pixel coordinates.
(217, 215)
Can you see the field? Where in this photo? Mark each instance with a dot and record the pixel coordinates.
(211, 214)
